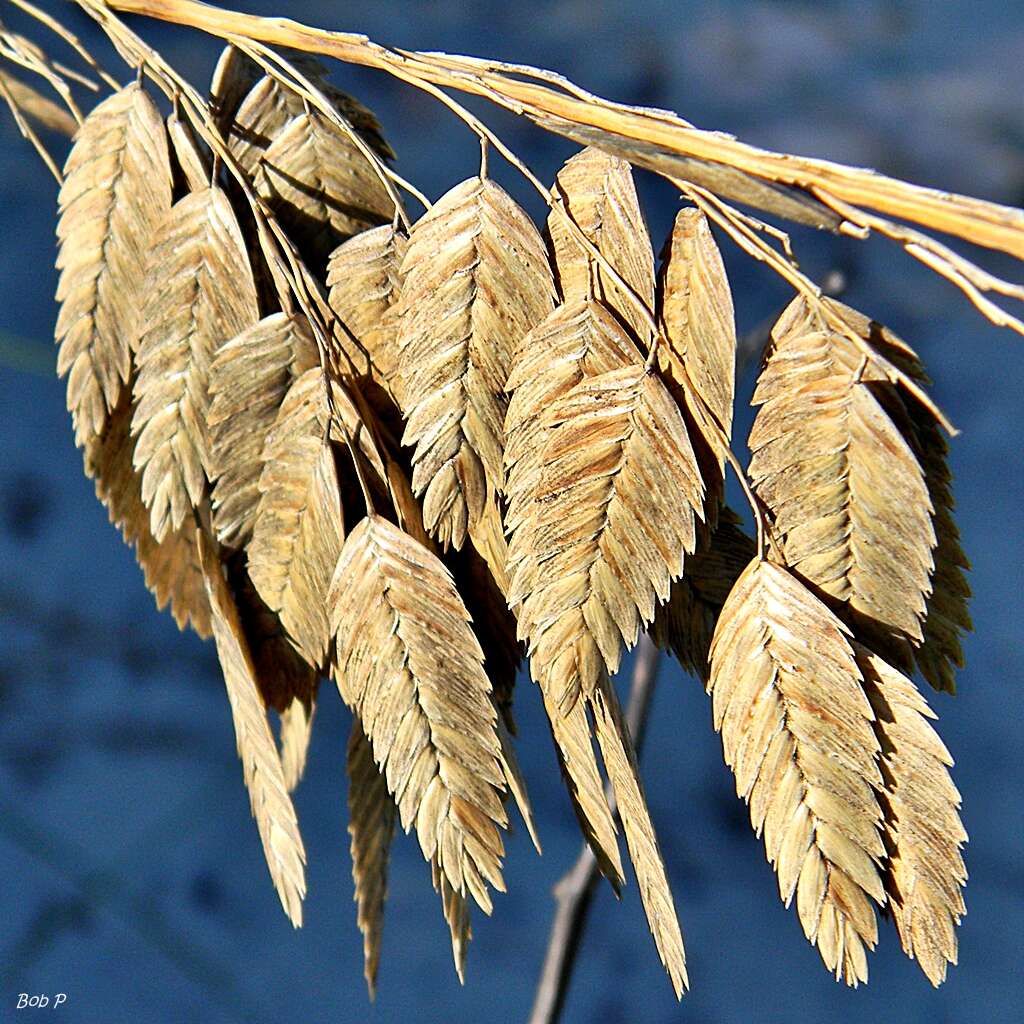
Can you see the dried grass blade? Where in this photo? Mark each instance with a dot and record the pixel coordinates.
(271, 805)
(371, 825)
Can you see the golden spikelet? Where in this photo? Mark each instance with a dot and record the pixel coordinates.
(271, 805)
(612, 517)
(371, 825)
(624, 773)
(171, 566)
(476, 280)
(697, 350)
(848, 495)
(409, 666)
(925, 872)
(116, 192)
(686, 622)
(269, 107)
(797, 731)
(574, 342)
(295, 733)
(363, 275)
(598, 192)
(320, 186)
(199, 293)
(191, 159)
(249, 377)
(456, 913)
(298, 529)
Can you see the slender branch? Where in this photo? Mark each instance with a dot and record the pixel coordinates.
(659, 140)
(574, 891)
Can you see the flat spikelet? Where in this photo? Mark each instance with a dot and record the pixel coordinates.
(797, 731)
(613, 516)
(171, 566)
(476, 280)
(271, 805)
(686, 622)
(249, 377)
(849, 497)
(371, 825)
(298, 531)
(233, 77)
(295, 733)
(574, 342)
(199, 293)
(116, 192)
(363, 275)
(598, 191)
(409, 666)
(190, 158)
(925, 872)
(456, 914)
(698, 347)
(624, 774)
(269, 107)
(320, 186)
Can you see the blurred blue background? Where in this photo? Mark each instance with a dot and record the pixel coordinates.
(133, 877)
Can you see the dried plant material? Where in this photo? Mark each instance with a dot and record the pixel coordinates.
(37, 106)
(797, 731)
(171, 566)
(320, 186)
(270, 106)
(282, 673)
(191, 159)
(848, 495)
(116, 193)
(297, 534)
(271, 805)
(698, 349)
(363, 275)
(233, 77)
(476, 280)
(426, 708)
(295, 734)
(307, 410)
(371, 825)
(572, 343)
(925, 872)
(613, 516)
(489, 541)
(599, 194)
(624, 774)
(947, 617)
(199, 293)
(249, 377)
(686, 622)
(574, 746)
(456, 914)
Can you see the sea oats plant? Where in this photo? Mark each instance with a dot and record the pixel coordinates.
(409, 453)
